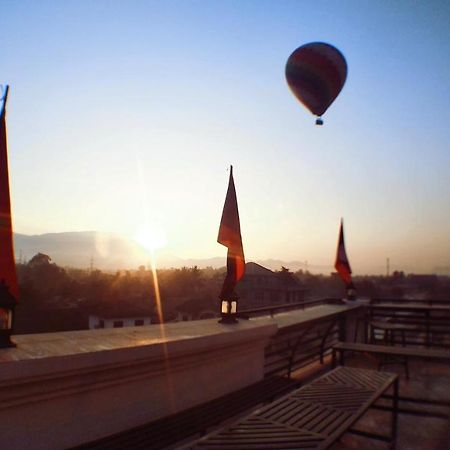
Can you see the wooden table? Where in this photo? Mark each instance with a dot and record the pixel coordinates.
(312, 417)
(426, 310)
(340, 348)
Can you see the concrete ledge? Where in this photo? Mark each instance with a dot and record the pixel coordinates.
(62, 389)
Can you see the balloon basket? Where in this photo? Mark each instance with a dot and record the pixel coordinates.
(319, 121)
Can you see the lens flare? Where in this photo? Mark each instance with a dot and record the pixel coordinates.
(152, 238)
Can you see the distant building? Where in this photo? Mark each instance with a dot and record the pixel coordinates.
(96, 322)
(263, 287)
(120, 316)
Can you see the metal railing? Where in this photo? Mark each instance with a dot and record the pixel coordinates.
(298, 346)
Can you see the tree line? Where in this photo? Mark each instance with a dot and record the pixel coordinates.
(49, 292)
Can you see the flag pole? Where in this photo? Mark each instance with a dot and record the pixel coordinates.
(5, 99)
(8, 276)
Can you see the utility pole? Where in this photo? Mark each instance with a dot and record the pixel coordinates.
(387, 267)
(91, 265)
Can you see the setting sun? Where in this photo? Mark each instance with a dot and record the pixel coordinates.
(150, 238)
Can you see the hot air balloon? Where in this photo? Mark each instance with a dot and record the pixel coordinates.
(316, 73)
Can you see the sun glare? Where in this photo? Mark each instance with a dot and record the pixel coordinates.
(150, 238)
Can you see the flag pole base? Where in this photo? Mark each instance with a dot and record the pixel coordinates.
(228, 320)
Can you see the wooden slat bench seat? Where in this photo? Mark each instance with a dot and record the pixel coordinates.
(196, 421)
(312, 417)
(407, 352)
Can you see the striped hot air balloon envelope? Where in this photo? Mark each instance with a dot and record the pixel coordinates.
(316, 73)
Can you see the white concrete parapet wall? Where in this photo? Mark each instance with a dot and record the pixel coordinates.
(63, 389)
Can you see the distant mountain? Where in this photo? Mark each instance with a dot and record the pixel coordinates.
(107, 251)
(112, 251)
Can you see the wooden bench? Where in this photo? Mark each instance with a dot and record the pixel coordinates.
(389, 350)
(312, 417)
(196, 421)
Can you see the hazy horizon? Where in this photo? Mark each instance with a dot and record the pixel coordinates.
(113, 251)
(125, 117)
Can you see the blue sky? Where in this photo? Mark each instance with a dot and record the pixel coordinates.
(127, 114)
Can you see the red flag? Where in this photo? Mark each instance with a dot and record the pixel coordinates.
(230, 236)
(342, 265)
(7, 263)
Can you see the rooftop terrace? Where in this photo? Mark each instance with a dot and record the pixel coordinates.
(79, 388)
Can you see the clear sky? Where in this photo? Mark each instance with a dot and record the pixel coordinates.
(124, 114)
